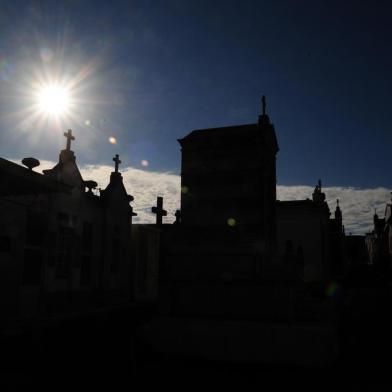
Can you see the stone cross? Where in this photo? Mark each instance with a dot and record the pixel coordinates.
(117, 161)
(159, 211)
(69, 137)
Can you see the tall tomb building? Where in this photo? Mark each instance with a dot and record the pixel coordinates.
(228, 179)
(224, 242)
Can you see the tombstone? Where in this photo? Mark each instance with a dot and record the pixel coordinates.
(159, 211)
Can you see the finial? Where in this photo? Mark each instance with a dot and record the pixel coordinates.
(338, 212)
(264, 105)
(319, 184)
(69, 137)
(30, 162)
(117, 161)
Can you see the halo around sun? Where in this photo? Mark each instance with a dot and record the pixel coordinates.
(51, 101)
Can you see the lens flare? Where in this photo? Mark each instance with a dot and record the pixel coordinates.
(231, 222)
(112, 140)
(6, 68)
(46, 55)
(52, 97)
(144, 163)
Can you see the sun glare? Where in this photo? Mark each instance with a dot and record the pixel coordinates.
(53, 100)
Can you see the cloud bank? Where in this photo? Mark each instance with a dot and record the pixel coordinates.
(357, 204)
(144, 186)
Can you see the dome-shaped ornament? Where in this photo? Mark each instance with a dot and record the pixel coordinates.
(30, 162)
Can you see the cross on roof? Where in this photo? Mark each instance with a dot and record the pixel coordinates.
(159, 211)
(69, 137)
(264, 103)
(117, 161)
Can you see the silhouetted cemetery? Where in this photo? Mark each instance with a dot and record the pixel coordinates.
(240, 284)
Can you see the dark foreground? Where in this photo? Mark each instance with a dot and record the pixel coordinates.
(105, 352)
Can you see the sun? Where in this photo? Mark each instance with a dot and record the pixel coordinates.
(53, 99)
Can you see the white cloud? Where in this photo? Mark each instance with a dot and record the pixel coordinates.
(143, 185)
(357, 204)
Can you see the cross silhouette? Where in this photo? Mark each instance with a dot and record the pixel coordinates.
(264, 103)
(159, 211)
(117, 161)
(69, 137)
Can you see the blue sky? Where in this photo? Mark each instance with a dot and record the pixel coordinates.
(149, 72)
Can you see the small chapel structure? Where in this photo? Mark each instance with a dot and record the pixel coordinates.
(312, 240)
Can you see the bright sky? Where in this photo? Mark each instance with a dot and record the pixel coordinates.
(146, 73)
